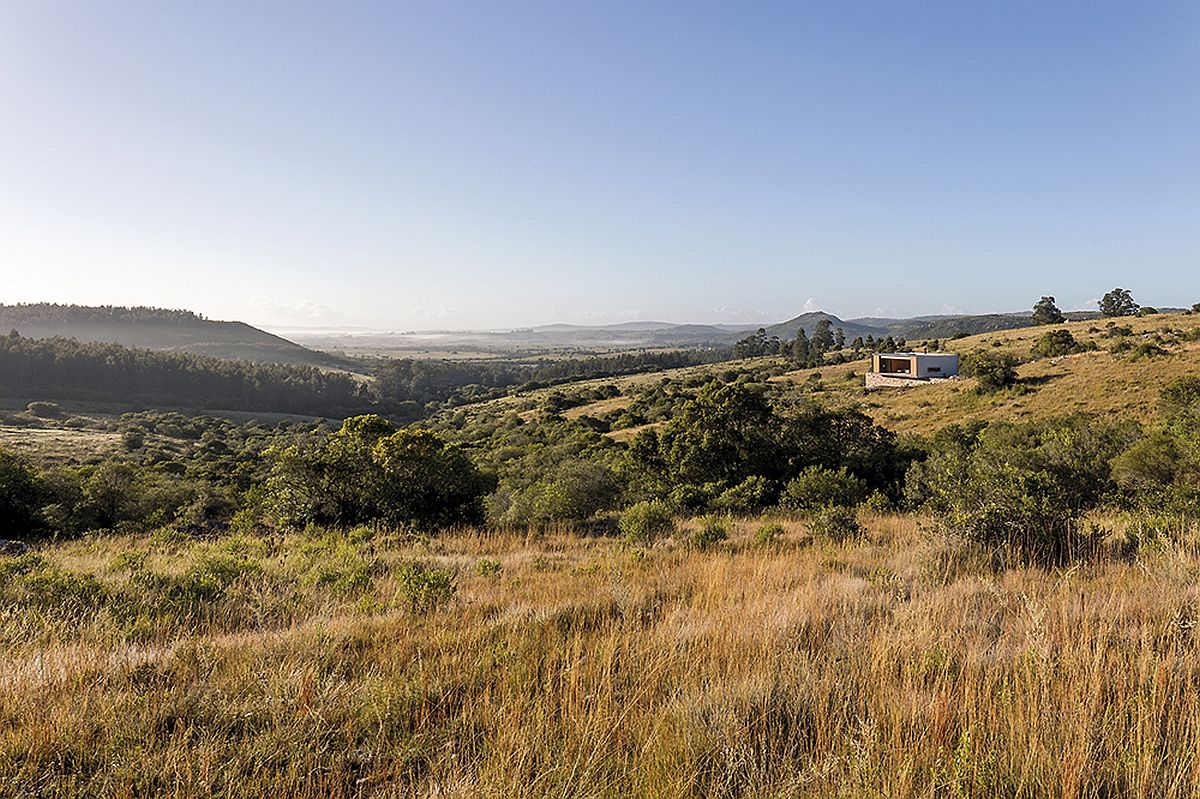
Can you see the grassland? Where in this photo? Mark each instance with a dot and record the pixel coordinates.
(58, 444)
(1098, 382)
(898, 664)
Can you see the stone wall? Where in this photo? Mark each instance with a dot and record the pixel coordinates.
(876, 380)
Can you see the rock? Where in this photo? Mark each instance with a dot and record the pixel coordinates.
(13, 548)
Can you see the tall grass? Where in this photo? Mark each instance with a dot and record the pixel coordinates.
(890, 664)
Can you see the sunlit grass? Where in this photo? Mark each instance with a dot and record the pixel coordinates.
(898, 663)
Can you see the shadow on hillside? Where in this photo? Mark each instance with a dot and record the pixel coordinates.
(1039, 380)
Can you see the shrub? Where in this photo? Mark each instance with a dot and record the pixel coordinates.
(835, 524)
(768, 534)
(44, 410)
(688, 498)
(54, 590)
(1181, 396)
(1023, 486)
(993, 371)
(878, 502)
(1056, 343)
(488, 568)
(747, 497)
(21, 494)
(577, 490)
(646, 521)
(193, 593)
(1147, 350)
(711, 532)
(425, 588)
(818, 487)
(338, 566)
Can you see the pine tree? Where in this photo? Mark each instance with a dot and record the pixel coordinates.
(801, 349)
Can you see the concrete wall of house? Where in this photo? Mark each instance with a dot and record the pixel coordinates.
(936, 365)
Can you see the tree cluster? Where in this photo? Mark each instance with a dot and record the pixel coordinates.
(57, 368)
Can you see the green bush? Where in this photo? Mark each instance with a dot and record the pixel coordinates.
(747, 497)
(687, 498)
(193, 593)
(768, 534)
(21, 495)
(425, 588)
(45, 410)
(1023, 486)
(1147, 350)
(711, 532)
(879, 502)
(993, 371)
(487, 567)
(341, 568)
(1057, 343)
(1180, 399)
(647, 521)
(835, 524)
(817, 487)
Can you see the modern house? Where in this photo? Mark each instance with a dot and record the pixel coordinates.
(899, 369)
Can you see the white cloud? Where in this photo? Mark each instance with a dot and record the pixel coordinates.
(811, 305)
(302, 310)
(727, 313)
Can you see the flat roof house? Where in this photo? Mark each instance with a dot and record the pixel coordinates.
(908, 368)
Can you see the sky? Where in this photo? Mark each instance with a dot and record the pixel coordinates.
(405, 165)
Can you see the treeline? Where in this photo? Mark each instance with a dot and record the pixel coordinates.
(46, 312)
(58, 368)
(421, 382)
(827, 345)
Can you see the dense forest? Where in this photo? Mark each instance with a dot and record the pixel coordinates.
(57, 368)
(43, 312)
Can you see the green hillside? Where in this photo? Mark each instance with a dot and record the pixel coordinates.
(159, 329)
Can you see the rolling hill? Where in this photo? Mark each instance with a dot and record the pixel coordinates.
(809, 321)
(160, 329)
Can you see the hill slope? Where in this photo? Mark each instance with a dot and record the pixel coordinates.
(1102, 382)
(1116, 384)
(159, 329)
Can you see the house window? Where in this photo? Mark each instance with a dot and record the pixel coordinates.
(895, 366)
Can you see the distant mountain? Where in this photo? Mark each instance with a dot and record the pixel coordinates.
(809, 321)
(635, 327)
(159, 329)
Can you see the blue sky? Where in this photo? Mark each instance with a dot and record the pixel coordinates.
(452, 164)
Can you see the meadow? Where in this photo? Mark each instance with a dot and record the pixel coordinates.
(900, 662)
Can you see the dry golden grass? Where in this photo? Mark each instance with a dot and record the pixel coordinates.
(897, 665)
(598, 407)
(53, 445)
